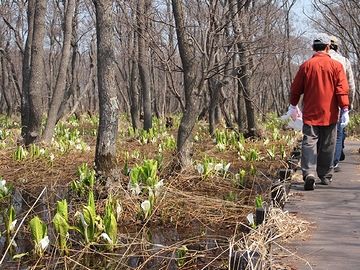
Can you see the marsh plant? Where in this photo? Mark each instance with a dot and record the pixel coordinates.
(147, 206)
(160, 156)
(7, 123)
(8, 214)
(282, 151)
(144, 176)
(354, 125)
(144, 180)
(148, 136)
(5, 189)
(251, 155)
(258, 201)
(159, 125)
(39, 235)
(221, 140)
(85, 181)
(273, 121)
(10, 223)
(61, 225)
(210, 166)
(135, 154)
(4, 134)
(89, 224)
(197, 137)
(225, 138)
(110, 223)
(240, 178)
(240, 144)
(169, 143)
(36, 151)
(222, 168)
(253, 170)
(271, 151)
(131, 132)
(206, 167)
(20, 153)
(181, 255)
(68, 138)
(73, 120)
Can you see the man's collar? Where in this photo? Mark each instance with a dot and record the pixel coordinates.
(321, 53)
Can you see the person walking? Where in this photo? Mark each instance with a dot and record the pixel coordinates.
(340, 133)
(322, 82)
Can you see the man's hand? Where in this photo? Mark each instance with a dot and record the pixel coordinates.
(344, 121)
(294, 112)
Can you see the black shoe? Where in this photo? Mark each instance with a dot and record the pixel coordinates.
(342, 157)
(309, 182)
(325, 181)
(337, 168)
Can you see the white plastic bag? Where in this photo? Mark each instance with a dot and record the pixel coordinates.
(296, 125)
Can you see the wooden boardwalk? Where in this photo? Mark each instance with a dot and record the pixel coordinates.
(334, 210)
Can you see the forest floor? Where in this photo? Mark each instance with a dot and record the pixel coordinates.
(199, 219)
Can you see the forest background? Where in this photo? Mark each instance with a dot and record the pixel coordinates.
(231, 60)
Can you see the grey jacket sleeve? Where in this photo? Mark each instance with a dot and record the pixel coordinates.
(351, 81)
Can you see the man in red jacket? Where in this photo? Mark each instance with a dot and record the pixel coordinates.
(323, 83)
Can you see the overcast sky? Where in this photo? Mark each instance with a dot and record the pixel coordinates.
(301, 22)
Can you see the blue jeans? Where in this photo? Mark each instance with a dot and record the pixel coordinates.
(340, 138)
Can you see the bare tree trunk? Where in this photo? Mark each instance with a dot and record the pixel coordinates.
(105, 157)
(36, 73)
(240, 117)
(193, 84)
(245, 86)
(224, 110)
(25, 100)
(143, 54)
(60, 85)
(134, 96)
(244, 83)
(73, 83)
(14, 78)
(5, 85)
(214, 91)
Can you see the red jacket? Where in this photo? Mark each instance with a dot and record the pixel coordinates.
(323, 82)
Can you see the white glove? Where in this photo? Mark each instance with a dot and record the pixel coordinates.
(294, 112)
(344, 121)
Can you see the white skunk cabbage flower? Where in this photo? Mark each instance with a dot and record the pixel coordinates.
(12, 225)
(146, 207)
(218, 167)
(250, 218)
(106, 237)
(44, 243)
(119, 210)
(3, 187)
(226, 167)
(158, 186)
(134, 188)
(200, 168)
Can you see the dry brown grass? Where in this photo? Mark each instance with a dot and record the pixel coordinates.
(192, 210)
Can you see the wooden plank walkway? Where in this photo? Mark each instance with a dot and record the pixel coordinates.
(334, 242)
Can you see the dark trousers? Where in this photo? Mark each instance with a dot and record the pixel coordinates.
(318, 148)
